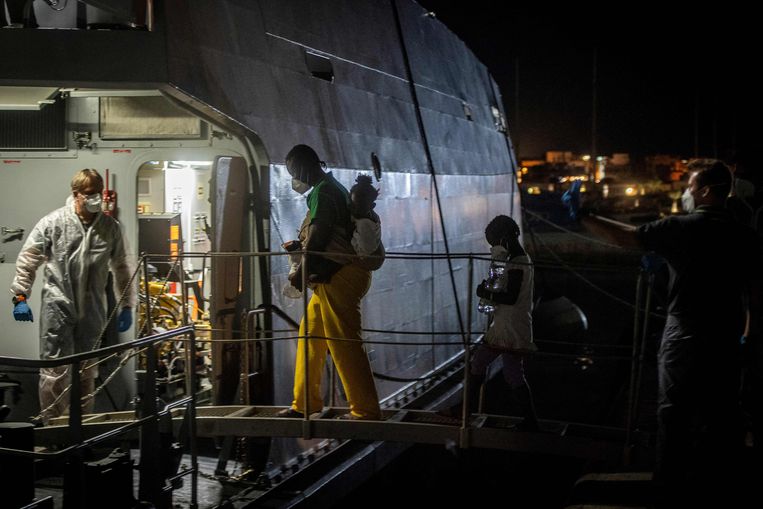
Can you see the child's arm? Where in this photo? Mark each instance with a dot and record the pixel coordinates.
(509, 296)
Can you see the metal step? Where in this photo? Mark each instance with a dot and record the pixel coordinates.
(409, 426)
(614, 489)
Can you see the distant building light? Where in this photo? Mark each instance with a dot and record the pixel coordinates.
(586, 158)
(582, 189)
(533, 190)
(524, 170)
(629, 191)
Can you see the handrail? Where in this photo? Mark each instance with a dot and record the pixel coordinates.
(151, 413)
(150, 487)
(101, 352)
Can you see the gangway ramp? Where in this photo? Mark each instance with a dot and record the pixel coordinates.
(411, 426)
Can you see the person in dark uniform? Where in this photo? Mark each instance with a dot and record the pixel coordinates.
(715, 272)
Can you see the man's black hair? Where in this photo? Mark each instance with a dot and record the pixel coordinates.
(501, 227)
(302, 161)
(714, 174)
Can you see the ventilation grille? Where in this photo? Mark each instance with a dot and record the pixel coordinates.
(319, 66)
(34, 130)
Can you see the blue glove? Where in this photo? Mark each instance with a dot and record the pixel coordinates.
(652, 262)
(22, 313)
(125, 319)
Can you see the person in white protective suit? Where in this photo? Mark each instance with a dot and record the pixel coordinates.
(77, 244)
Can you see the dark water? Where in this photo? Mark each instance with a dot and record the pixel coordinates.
(431, 476)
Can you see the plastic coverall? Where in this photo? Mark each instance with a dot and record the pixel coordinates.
(73, 300)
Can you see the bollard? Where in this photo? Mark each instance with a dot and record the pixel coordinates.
(17, 472)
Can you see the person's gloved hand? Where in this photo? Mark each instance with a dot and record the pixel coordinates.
(125, 319)
(22, 313)
(652, 262)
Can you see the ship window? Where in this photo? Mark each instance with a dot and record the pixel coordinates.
(319, 66)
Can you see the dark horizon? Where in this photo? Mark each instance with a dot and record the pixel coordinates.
(656, 70)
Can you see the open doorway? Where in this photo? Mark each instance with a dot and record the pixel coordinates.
(176, 194)
(173, 211)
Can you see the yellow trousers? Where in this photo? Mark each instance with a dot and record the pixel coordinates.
(334, 312)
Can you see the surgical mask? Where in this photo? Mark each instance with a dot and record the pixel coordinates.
(687, 201)
(299, 186)
(93, 203)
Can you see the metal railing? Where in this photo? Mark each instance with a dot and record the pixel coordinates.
(149, 411)
(642, 312)
(149, 415)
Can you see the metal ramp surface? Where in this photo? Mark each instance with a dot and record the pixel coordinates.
(411, 426)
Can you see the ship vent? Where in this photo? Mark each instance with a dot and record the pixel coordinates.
(320, 67)
(44, 129)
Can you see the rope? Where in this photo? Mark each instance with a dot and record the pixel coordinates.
(592, 284)
(575, 234)
(430, 163)
(588, 267)
(127, 355)
(585, 345)
(409, 256)
(444, 343)
(96, 345)
(405, 380)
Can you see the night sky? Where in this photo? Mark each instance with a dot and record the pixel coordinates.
(656, 67)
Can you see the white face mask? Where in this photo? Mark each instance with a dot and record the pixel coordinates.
(93, 203)
(299, 186)
(687, 201)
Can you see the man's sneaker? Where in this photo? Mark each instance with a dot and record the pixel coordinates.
(290, 413)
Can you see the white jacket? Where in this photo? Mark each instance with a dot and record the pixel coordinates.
(512, 326)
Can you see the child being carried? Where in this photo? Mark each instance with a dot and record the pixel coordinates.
(366, 237)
